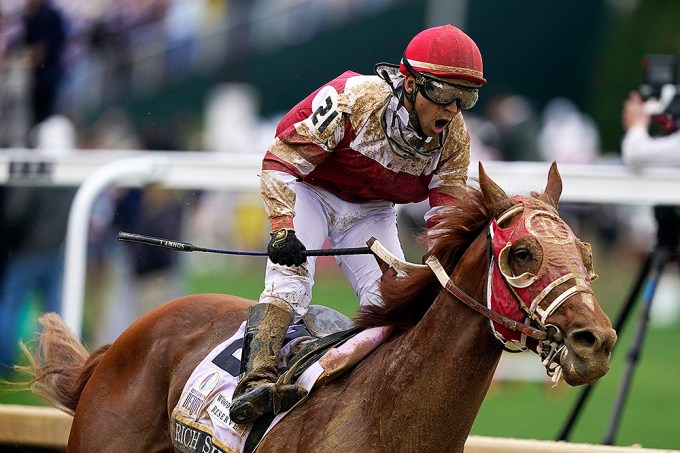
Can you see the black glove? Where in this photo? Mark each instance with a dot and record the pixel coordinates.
(285, 248)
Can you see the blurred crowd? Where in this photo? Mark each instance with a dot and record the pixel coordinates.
(109, 47)
(113, 49)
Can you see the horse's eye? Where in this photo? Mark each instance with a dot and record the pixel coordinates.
(522, 254)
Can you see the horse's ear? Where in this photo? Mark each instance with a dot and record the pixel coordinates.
(553, 188)
(495, 198)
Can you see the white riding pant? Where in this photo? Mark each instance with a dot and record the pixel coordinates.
(320, 215)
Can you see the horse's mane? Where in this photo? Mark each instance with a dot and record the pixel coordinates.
(406, 299)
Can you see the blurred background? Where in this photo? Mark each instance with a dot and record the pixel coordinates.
(216, 76)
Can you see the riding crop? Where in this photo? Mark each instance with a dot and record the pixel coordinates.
(187, 247)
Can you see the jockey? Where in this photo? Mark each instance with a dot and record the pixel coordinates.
(340, 161)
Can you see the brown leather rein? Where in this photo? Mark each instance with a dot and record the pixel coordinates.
(480, 308)
(389, 260)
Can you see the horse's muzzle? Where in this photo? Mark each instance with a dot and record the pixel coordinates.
(588, 354)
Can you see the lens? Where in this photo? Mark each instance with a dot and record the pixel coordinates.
(445, 93)
(440, 92)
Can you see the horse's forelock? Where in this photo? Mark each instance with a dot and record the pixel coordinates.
(406, 299)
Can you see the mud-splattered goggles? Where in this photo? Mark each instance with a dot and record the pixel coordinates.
(441, 92)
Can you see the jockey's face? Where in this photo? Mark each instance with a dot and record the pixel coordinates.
(433, 118)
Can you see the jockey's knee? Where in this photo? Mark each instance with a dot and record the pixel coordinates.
(279, 302)
(297, 306)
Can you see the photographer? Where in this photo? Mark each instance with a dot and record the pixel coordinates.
(639, 148)
(656, 104)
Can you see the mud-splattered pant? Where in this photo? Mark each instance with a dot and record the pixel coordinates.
(320, 215)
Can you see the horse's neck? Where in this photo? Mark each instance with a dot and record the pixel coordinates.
(447, 361)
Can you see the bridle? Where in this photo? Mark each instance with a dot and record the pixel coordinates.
(549, 339)
(509, 323)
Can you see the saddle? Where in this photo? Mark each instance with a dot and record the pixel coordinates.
(323, 328)
(319, 330)
(323, 345)
(327, 328)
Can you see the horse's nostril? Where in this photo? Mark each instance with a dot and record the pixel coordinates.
(583, 338)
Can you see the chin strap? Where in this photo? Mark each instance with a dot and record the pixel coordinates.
(415, 123)
(412, 115)
(411, 97)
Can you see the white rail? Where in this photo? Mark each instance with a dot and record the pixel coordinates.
(600, 183)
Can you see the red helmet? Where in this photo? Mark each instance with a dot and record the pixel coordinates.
(445, 52)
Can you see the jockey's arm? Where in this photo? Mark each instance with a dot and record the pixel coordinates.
(298, 148)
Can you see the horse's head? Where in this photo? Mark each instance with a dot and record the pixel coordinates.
(540, 268)
(537, 289)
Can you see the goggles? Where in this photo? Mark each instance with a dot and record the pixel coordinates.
(443, 93)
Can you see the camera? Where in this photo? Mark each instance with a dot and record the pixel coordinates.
(659, 90)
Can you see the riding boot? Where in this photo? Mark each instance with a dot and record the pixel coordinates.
(257, 392)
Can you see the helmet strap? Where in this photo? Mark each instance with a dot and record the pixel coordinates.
(412, 115)
(415, 123)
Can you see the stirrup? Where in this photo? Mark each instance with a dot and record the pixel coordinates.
(285, 396)
(263, 399)
(252, 404)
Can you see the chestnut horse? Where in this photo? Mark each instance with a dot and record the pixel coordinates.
(419, 391)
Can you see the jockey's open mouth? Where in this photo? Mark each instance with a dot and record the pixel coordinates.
(441, 123)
